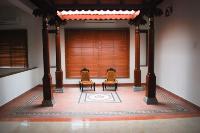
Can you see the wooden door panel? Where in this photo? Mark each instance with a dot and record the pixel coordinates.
(73, 51)
(107, 51)
(97, 50)
(87, 44)
(74, 60)
(121, 62)
(89, 64)
(107, 44)
(73, 74)
(107, 63)
(87, 51)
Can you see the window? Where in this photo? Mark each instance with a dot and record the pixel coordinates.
(97, 50)
(13, 48)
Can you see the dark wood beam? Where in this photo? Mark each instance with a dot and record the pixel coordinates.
(47, 7)
(44, 3)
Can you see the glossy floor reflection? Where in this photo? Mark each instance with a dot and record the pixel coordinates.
(181, 125)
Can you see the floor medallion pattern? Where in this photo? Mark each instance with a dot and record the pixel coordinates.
(108, 97)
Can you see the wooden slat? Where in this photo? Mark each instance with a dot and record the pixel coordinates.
(97, 50)
(13, 48)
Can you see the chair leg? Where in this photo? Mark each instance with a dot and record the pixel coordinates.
(115, 86)
(82, 87)
(94, 86)
(103, 86)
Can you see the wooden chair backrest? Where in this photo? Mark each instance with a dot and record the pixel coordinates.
(111, 74)
(85, 75)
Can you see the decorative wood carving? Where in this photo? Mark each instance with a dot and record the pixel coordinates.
(44, 7)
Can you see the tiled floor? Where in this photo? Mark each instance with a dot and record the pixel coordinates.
(68, 106)
(180, 125)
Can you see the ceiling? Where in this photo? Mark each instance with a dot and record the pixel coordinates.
(148, 7)
(89, 4)
(114, 2)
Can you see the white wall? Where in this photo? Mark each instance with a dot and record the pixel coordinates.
(14, 85)
(177, 54)
(82, 24)
(33, 27)
(143, 49)
(17, 84)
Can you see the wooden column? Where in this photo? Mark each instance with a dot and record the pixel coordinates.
(137, 72)
(150, 96)
(48, 99)
(59, 72)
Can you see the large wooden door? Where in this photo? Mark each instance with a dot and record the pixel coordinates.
(97, 50)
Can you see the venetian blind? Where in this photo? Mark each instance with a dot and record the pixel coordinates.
(13, 48)
(97, 50)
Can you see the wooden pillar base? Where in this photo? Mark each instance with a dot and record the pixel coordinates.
(150, 101)
(48, 103)
(150, 96)
(150, 85)
(59, 82)
(58, 90)
(47, 91)
(135, 88)
(137, 77)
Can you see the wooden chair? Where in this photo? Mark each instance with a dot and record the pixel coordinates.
(85, 79)
(110, 79)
